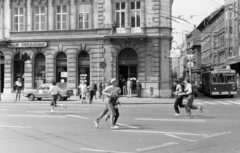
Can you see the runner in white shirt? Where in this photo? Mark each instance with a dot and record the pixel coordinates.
(189, 104)
(54, 91)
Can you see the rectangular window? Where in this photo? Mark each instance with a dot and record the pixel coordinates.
(39, 18)
(135, 14)
(18, 19)
(83, 16)
(120, 14)
(61, 17)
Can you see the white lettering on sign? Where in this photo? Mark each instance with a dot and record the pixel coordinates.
(27, 44)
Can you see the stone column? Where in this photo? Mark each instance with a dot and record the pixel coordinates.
(49, 54)
(28, 72)
(50, 15)
(8, 75)
(29, 15)
(127, 18)
(143, 16)
(71, 69)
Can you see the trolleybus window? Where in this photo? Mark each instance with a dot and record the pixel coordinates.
(214, 78)
(221, 78)
(230, 78)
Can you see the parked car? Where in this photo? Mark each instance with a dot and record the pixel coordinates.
(43, 92)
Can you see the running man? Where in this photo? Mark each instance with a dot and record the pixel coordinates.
(178, 102)
(54, 91)
(189, 105)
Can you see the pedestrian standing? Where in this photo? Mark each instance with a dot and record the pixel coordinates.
(91, 90)
(189, 105)
(99, 88)
(54, 91)
(95, 88)
(129, 88)
(18, 84)
(139, 89)
(124, 86)
(179, 93)
(83, 89)
(114, 26)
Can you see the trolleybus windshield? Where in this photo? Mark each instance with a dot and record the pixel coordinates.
(223, 78)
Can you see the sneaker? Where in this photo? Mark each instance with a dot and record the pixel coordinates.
(114, 127)
(96, 124)
(177, 114)
(52, 112)
(106, 117)
(201, 109)
(190, 116)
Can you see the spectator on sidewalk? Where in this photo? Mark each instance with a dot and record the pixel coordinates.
(95, 88)
(83, 89)
(139, 89)
(124, 86)
(129, 88)
(91, 89)
(18, 84)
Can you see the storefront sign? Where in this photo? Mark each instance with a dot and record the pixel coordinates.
(27, 44)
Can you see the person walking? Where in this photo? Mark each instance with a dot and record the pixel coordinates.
(83, 89)
(178, 102)
(124, 86)
(129, 88)
(139, 88)
(189, 105)
(99, 89)
(91, 89)
(18, 84)
(54, 91)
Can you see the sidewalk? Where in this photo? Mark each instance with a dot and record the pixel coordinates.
(10, 98)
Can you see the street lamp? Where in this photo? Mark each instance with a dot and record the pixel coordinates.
(1, 55)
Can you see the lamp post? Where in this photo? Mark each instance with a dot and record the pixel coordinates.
(1, 55)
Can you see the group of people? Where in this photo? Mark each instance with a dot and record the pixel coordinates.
(181, 90)
(94, 89)
(127, 87)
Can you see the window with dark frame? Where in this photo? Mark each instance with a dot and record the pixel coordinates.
(83, 16)
(39, 18)
(135, 13)
(61, 17)
(120, 14)
(18, 19)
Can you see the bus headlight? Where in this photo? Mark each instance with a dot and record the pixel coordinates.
(233, 88)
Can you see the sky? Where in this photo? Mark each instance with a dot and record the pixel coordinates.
(194, 11)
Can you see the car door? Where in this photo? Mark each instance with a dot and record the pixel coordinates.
(39, 92)
(46, 92)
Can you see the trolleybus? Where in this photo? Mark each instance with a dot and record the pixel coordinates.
(219, 82)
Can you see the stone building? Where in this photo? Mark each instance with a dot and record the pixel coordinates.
(68, 39)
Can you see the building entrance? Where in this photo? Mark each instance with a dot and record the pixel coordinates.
(18, 71)
(128, 67)
(83, 68)
(61, 67)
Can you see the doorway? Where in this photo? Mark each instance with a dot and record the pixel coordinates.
(19, 66)
(61, 67)
(128, 67)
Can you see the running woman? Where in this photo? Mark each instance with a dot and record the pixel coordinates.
(178, 102)
(189, 105)
(54, 91)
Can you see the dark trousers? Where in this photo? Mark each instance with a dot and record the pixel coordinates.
(116, 116)
(139, 93)
(92, 92)
(54, 101)
(103, 113)
(189, 104)
(178, 102)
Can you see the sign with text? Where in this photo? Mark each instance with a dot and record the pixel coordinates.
(175, 53)
(27, 45)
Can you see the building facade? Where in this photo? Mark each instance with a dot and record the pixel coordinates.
(68, 39)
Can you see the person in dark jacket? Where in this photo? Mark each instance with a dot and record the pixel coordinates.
(95, 88)
(91, 91)
(139, 89)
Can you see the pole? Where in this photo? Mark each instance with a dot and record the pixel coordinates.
(190, 65)
(102, 83)
(0, 76)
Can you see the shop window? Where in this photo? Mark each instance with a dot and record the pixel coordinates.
(39, 70)
(83, 16)
(18, 19)
(61, 67)
(39, 18)
(84, 67)
(61, 17)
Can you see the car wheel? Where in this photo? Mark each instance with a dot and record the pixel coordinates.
(31, 97)
(59, 98)
(39, 99)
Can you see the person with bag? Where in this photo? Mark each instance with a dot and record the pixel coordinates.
(189, 105)
(54, 91)
(178, 102)
(18, 84)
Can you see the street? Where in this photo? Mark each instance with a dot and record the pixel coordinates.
(28, 127)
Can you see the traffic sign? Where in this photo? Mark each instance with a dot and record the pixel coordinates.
(103, 65)
(175, 53)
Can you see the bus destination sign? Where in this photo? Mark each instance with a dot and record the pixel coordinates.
(28, 45)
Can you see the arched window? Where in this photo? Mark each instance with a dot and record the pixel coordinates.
(18, 71)
(61, 67)
(39, 69)
(84, 67)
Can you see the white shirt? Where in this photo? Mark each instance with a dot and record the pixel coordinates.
(54, 90)
(188, 89)
(178, 89)
(83, 88)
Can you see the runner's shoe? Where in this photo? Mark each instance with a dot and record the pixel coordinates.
(96, 124)
(177, 114)
(114, 127)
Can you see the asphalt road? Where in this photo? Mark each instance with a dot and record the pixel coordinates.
(28, 127)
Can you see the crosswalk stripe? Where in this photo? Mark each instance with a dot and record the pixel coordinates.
(211, 103)
(222, 102)
(199, 103)
(234, 102)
